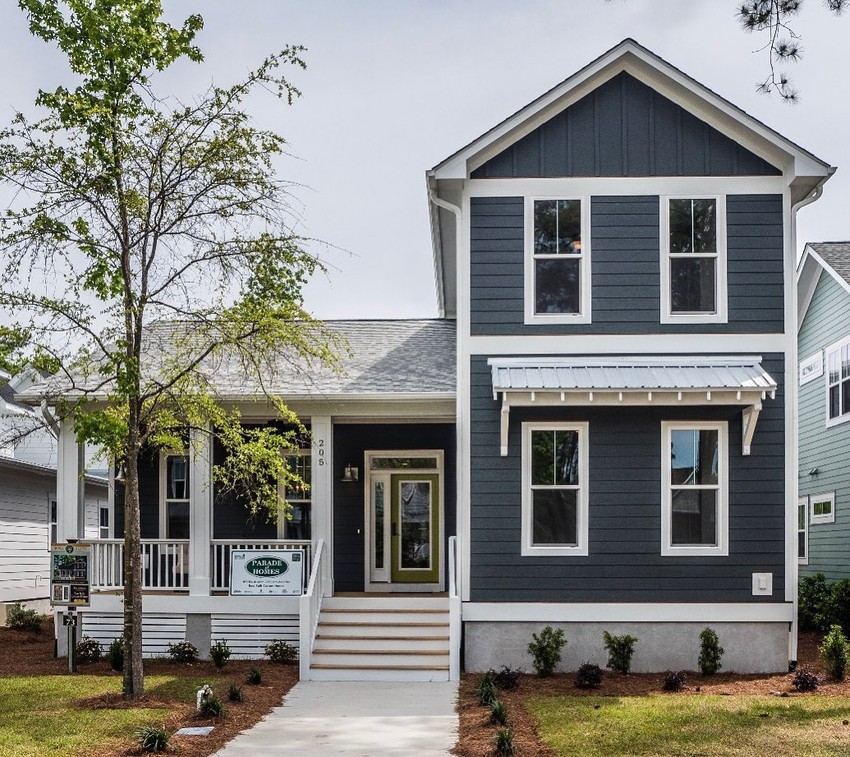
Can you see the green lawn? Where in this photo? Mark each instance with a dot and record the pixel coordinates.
(678, 725)
(38, 716)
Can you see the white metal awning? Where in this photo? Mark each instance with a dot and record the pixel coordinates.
(626, 380)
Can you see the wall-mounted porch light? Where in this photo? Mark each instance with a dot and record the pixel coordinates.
(351, 474)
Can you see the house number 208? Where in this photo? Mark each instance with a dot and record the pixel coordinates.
(320, 451)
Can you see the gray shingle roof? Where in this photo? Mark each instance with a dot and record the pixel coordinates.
(7, 394)
(376, 357)
(836, 255)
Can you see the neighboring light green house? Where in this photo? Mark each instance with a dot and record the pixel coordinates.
(823, 317)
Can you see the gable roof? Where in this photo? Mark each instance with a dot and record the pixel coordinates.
(832, 258)
(377, 359)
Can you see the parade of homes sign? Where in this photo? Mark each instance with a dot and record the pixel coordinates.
(255, 572)
(70, 578)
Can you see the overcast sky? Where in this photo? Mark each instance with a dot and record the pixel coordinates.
(394, 86)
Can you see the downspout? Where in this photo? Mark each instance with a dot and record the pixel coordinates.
(795, 564)
(49, 419)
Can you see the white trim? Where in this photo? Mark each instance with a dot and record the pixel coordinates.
(719, 256)
(580, 549)
(614, 186)
(822, 499)
(721, 548)
(619, 344)
(811, 368)
(803, 502)
(529, 258)
(463, 413)
(629, 612)
(321, 524)
(835, 347)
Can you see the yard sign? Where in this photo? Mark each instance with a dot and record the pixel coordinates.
(70, 576)
(256, 572)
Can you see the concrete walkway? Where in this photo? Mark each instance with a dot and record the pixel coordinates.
(362, 719)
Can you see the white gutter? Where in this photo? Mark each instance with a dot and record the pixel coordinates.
(49, 419)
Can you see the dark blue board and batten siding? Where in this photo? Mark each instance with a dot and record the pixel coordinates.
(626, 269)
(624, 563)
(624, 128)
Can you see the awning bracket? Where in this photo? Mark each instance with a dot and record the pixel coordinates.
(750, 416)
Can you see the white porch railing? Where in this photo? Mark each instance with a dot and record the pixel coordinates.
(310, 605)
(220, 559)
(454, 610)
(165, 564)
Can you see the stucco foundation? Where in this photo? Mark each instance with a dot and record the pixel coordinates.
(749, 647)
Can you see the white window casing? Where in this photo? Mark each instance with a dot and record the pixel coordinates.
(580, 548)
(822, 508)
(167, 497)
(529, 257)
(721, 488)
(720, 312)
(803, 530)
(837, 367)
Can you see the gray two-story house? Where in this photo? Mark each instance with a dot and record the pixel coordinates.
(595, 433)
(619, 255)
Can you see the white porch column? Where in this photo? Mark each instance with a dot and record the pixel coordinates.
(200, 511)
(322, 494)
(70, 486)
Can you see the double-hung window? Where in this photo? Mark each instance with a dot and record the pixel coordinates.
(298, 497)
(554, 481)
(803, 530)
(693, 260)
(174, 489)
(838, 382)
(694, 492)
(557, 260)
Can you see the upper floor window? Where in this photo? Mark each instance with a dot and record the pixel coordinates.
(174, 496)
(554, 473)
(557, 261)
(838, 382)
(693, 260)
(694, 509)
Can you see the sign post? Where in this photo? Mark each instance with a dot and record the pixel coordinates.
(70, 587)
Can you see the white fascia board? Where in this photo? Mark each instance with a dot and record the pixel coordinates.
(668, 81)
(810, 255)
(629, 612)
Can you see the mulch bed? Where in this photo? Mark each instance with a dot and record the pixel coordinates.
(477, 732)
(27, 654)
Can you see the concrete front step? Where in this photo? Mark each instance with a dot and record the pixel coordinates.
(393, 617)
(397, 660)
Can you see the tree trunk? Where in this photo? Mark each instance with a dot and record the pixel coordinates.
(134, 679)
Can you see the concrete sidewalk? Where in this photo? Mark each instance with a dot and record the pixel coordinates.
(362, 719)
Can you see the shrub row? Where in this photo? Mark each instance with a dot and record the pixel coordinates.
(822, 605)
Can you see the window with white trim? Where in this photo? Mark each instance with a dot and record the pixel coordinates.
(174, 496)
(803, 530)
(694, 491)
(298, 497)
(54, 522)
(838, 382)
(822, 508)
(554, 482)
(103, 522)
(693, 260)
(557, 267)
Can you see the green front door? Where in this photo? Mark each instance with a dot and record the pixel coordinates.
(415, 529)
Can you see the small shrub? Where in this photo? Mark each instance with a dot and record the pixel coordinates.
(220, 653)
(545, 650)
(115, 654)
(506, 679)
(814, 603)
(23, 620)
(588, 676)
(183, 651)
(710, 652)
(834, 652)
(280, 651)
(498, 712)
(234, 693)
(504, 741)
(153, 739)
(805, 681)
(486, 691)
(620, 651)
(674, 681)
(255, 678)
(211, 707)
(88, 650)
(838, 607)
